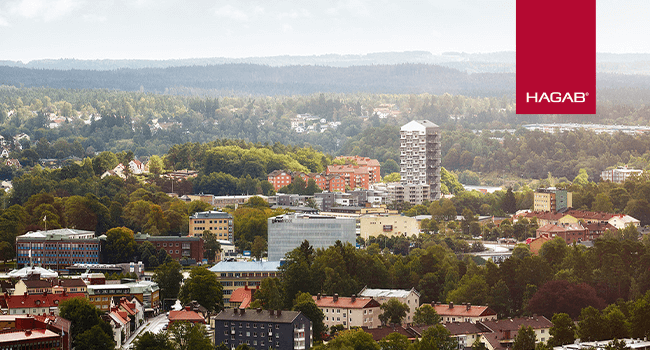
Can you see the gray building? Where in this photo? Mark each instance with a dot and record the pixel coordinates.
(263, 329)
(420, 156)
(287, 232)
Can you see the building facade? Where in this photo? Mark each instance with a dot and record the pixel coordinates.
(218, 222)
(184, 247)
(619, 174)
(349, 311)
(58, 249)
(464, 312)
(287, 232)
(409, 297)
(263, 329)
(388, 225)
(552, 199)
(420, 159)
(236, 274)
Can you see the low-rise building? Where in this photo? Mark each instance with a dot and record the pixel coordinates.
(619, 174)
(236, 274)
(183, 247)
(464, 312)
(37, 304)
(58, 249)
(146, 292)
(185, 315)
(349, 311)
(632, 344)
(263, 329)
(218, 222)
(501, 334)
(388, 225)
(409, 297)
(569, 232)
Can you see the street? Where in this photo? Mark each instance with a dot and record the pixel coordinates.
(154, 325)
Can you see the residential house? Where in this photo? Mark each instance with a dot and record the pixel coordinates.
(120, 323)
(409, 297)
(569, 232)
(535, 244)
(37, 304)
(349, 311)
(464, 312)
(501, 334)
(242, 297)
(186, 315)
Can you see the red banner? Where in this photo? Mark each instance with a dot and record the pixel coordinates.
(556, 57)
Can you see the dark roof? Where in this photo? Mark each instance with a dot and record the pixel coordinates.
(172, 238)
(37, 284)
(72, 282)
(513, 324)
(382, 332)
(458, 328)
(259, 315)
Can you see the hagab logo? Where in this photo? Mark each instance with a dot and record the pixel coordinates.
(557, 97)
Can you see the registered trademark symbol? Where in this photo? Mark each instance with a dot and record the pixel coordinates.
(587, 94)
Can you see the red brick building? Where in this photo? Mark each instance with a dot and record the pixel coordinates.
(178, 247)
(355, 176)
(569, 232)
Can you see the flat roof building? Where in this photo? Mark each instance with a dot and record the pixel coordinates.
(58, 249)
(287, 232)
(218, 222)
(236, 274)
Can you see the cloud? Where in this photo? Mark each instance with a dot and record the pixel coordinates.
(43, 10)
(230, 12)
(358, 8)
(293, 14)
(287, 27)
(92, 18)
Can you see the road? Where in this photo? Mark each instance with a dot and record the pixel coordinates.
(154, 325)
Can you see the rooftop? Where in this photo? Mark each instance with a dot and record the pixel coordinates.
(386, 293)
(257, 315)
(211, 215)
(32, 334)
(246, 266)
(345, 302)
(462, 310)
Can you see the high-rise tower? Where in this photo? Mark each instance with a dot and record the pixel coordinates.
(420, 156)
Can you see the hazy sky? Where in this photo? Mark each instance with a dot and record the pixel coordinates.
(163, 29)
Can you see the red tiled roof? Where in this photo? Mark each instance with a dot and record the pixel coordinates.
(463, 310)
(345, 302)
(242, 295)
(44, 300)
(185, 315)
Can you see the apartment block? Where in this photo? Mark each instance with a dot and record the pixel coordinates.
(420, 156)
(218, 222)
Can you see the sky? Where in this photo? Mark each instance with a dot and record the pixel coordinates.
(173, 29)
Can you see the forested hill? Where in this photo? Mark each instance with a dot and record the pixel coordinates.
(266, 80)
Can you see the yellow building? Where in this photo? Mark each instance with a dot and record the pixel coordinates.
(552, 199)
(388, 225)
(218, 222)
(237, 274)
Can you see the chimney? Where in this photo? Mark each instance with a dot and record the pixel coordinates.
(335, 298)
(353, 298)
(451, 304)
(259, 309)
(469, 306)
(271, 312)
(279, 313)
(188, 308)
(242, 311)
(318, 296)
(235, 310)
